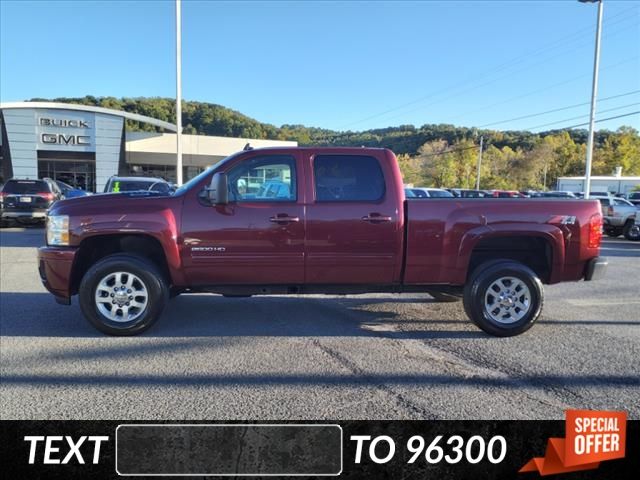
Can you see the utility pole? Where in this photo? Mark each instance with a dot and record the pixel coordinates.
(479, 163)
(594, 93)
(178, 93)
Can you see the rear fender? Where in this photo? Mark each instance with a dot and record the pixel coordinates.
(552, 234)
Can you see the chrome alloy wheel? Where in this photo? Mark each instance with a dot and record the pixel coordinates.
(121, 297)
(507, 300)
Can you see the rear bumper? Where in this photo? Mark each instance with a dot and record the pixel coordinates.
(55, 265)
(36, 213)
(596, 268)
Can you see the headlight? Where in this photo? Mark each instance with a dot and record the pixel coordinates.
(58, 230)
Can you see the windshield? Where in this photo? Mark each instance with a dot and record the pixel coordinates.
(195, 180)
(130, 186)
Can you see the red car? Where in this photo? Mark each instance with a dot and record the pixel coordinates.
(338, 223)
(507, 194)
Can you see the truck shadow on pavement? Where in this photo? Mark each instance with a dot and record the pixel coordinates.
(37, 315)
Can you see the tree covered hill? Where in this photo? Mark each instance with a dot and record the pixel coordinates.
(438, 155)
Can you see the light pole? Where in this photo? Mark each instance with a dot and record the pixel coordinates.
(178, 93)
(479, 163)
(594, 94)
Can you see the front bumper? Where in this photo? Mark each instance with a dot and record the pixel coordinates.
(55, 265)
(596, 268)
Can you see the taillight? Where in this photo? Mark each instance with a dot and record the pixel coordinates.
(3, 194)
(48, 196)
(595, 231)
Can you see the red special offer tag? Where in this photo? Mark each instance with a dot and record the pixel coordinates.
(591, 437)
(594, 436)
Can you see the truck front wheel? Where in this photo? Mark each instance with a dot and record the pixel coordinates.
(123, 294)
(504, 298)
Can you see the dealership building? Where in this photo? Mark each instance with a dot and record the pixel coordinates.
(611, 184)
(85, 145)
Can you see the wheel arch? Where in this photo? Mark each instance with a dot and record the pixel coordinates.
(94, 248)
(542, 250)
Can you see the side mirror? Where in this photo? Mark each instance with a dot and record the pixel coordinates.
(218, 191)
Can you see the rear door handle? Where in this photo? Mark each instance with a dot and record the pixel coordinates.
(376, 218)
(283, 218)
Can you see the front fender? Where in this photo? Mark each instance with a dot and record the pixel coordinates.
(163, 229)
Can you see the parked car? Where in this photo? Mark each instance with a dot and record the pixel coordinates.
(506, 194)
(345, 228)
(467, 193)
(558, 194)
(27, 201)
(131, 184)
(70, 192)
(431, 193)
(633, 197)
(619, 215)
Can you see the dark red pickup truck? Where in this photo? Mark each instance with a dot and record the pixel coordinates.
(314, 220)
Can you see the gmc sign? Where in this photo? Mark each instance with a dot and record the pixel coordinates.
(62, 139)
(79, 131)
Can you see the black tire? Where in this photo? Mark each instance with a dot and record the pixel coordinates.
(631, 231)
(479, 283)
(147, 272)
(613, 232)
(441, 297)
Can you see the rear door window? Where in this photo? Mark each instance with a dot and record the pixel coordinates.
(348, 178)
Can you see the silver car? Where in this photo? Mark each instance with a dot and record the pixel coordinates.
(618, 215)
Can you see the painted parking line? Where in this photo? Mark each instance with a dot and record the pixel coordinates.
(601, 303)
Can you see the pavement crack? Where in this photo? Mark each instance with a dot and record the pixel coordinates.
(365, 378)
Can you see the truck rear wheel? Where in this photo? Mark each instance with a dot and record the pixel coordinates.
(504, 298)
(123, 294)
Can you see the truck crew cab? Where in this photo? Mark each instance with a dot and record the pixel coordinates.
(337, 223)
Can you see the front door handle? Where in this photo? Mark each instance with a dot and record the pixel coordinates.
(376, 218)
(283, 218)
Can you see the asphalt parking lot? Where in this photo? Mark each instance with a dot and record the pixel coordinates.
(320, 357)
